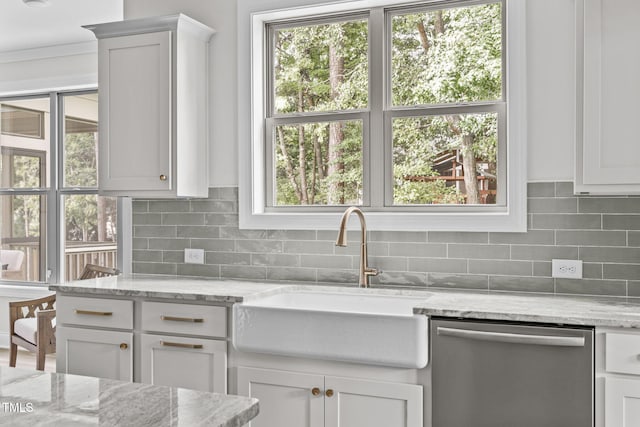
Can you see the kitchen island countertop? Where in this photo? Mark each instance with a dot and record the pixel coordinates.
(29, 398)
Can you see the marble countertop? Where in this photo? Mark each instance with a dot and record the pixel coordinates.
(29, 398)
(172, 287)
(568, 310)
(562, 309)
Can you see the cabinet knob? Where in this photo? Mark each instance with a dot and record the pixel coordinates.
(315, 391)
(163, 177)
(124, 346)
(329, 393)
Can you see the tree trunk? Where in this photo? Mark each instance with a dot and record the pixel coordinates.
(424, 40)
(314, 170)
(439, 22)
(288, 165)
(469, 165)
(336, 165)
(302, 151)
(302, 166)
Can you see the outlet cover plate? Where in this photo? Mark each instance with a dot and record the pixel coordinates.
(193, 256)
(566, 268)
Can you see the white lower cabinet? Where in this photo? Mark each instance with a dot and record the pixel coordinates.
(286, 398)
(195, 363)
(617, 377)
(96, 353)
(172, 344)
(622, 402)
(292, 399)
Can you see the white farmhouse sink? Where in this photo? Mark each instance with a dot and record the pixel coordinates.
(372, 329)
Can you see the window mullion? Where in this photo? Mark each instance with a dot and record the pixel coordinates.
(51, 261)
(375, 146)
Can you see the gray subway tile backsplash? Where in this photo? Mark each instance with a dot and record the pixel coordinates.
(613, 205)
(591, 287)
(438, 265)
(521, 284)
(468, 281)
(620, 222)
(452, 237)
(591, 238)
(564, 189)
(509, 268)
(541, 189)
(604, 232)
(546, 221)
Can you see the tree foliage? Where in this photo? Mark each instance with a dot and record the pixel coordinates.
(438, 57)
(87, 217)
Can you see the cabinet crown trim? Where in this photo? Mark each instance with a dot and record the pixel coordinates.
(128, 27)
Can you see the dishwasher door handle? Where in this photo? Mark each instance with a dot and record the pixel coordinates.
(560, 341)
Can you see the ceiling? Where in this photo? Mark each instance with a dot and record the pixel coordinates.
(24, 27)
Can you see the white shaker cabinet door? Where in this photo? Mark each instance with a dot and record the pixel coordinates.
(361, 403)
(287, 399)
(135, 112)
(95, 353)
(199, 364)
(622, 402)
(608, 153)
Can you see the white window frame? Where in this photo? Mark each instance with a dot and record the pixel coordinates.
(53, 267)
(253, 210)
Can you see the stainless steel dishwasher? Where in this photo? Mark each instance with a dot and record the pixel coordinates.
(488, 374)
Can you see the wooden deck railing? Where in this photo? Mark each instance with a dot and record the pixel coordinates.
(77, 255)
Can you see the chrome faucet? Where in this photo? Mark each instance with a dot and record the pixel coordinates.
(365, 270)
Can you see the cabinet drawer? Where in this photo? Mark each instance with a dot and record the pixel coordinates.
(196, 363)
(204, 320)
(622, 353)
(108, 313)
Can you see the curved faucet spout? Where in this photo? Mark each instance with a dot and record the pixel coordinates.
(365, 270)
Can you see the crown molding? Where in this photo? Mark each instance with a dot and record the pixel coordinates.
(70, 49)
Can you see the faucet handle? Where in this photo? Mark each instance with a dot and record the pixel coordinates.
(370, 271)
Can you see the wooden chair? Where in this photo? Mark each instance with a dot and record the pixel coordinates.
(34, 330)
(32, 323)
(92, 271)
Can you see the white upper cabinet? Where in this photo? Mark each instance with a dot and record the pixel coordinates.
(152, 84)
(607, 148)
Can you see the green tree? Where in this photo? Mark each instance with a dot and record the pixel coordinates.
(320, 68)
(452, 55)
(440, 57)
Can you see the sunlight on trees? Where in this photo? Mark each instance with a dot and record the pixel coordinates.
(438, 57)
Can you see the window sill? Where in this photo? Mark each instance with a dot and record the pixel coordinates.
(396, 221)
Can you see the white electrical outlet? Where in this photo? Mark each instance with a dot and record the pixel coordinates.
(566, 268)
(193, 256)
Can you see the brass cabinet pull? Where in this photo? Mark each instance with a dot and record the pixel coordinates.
(179, 344)
(315, 391)
(329, 393)
(94, 313)
(124, 346)
(182, 319)
(163, 177)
